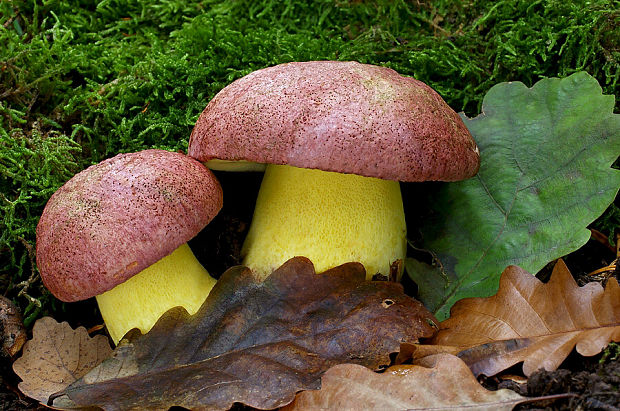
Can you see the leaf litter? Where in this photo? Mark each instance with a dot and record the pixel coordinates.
(440, 381)
(56, 356)
(158, 369)
(12, 330)
(255, 343)
(528, 321)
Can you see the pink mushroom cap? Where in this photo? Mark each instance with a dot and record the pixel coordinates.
(337, 116)
(114, 219)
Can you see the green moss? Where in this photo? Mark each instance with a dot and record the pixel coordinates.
(609, 223)
(611, 353)
(32, 167)
(120, 76)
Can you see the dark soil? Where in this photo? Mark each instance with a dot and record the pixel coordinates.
(218, 246)
(594, 381)
(597, 387)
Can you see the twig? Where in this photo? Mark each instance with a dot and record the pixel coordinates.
(25, 285)
(8, 22)
(611, 267)
(602, 238)
(95, 328)
(550, 397)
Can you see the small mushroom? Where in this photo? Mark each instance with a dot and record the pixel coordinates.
(118, 231)
(337, 138)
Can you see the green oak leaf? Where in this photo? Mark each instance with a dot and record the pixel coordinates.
(545, 174)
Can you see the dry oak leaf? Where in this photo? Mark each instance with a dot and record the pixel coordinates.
(57, 356)
(256, 343)
(439, 382)
(533, 322)
(12, 330)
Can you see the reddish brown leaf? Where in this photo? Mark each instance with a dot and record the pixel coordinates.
(256, 343)
(57, 356)
(533, 322)
(12, 331)
(442, 381)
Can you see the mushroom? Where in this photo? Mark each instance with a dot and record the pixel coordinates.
(337, 138)
(118, 231)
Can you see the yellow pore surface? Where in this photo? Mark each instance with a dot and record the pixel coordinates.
(176, 280)
(331, 218)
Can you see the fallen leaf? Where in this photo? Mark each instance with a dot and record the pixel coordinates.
(56, 356)
(409, 351)
(12, 331)
(440, 382)
(533, 322)
(256, 343)
(545, 174)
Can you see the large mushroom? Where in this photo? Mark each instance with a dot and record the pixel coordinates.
(118, 231)
(337, 138)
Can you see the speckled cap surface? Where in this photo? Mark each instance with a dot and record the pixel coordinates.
(114, 219)
(337, 116)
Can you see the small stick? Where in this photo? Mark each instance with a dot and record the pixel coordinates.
(603, 239)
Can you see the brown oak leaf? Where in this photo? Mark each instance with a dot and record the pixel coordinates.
(256, 343)
(12, 330)
(532, 322)
(440, 381)
(57, 356)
